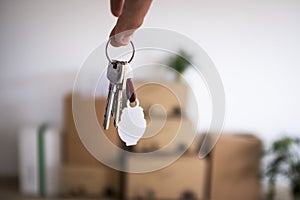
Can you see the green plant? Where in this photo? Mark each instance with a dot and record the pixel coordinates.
(284, 162)
(180, 62)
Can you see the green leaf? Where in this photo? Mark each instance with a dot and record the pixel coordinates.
(180, 62)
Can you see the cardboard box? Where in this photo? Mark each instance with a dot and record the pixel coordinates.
(184, 179)
(179, 132)
(89, 181)
(168, 95)
(75, 151)
(176, 133)
(236, 167)
(194, 148)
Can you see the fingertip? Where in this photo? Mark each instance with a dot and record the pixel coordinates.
(114, 43)
(116, 7)
(120, 40)
(116, 13)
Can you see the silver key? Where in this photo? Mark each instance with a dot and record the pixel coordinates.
(119, 95)
(115, 75)
(109, 104)
(115, 72)
(117, 106)
(115, 109)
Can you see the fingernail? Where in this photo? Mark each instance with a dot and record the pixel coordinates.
(120, 40)
(114, 43)
(126, 40)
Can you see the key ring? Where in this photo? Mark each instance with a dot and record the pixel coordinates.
(110, 60)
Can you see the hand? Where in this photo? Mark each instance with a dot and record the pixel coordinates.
(130, 15)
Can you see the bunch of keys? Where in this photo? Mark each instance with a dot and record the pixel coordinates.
(128, 120)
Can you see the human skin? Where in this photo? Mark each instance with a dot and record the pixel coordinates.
(131, 14)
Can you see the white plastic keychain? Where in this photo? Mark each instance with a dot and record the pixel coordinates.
(133, 124)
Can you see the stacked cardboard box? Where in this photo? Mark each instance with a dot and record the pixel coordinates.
(90, 181)
(164, 105)
(75, 152)
(83, 174)
(186, 178)
(169, 96)
(167, 128)
(236, 167)
(174, 134)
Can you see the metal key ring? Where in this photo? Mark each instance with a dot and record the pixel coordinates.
(110, 60)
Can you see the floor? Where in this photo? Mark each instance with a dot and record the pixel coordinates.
(9, 191)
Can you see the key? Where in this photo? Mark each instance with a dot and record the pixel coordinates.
(109, 104)
(115, 102)
(119, 97)
(115, 75)
(117, 72)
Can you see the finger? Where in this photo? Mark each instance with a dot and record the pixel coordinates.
(132, 17)
(121, 39)
(116, 7)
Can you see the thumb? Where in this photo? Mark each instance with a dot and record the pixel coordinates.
(121, 38)
(132, 17)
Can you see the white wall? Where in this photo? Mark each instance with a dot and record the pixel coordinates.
(254, 44)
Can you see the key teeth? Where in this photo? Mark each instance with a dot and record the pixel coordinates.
(105, 124)
(107, 114)
(105, 128)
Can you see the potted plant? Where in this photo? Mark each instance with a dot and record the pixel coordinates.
(180, 62)
(284, 162)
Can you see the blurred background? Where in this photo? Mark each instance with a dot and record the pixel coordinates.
(255, 46)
